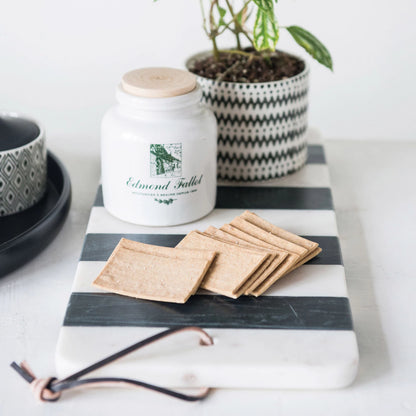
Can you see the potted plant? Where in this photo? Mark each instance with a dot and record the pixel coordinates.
(258, 94)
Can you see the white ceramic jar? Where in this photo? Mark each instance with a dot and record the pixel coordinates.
(158, 150)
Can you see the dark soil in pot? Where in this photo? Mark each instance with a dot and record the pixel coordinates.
(248, 68)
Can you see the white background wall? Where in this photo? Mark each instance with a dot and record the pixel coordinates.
(60, 60)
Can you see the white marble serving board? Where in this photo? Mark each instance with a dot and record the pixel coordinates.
(298, 335)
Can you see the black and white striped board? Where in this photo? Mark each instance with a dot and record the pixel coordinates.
(298, 335)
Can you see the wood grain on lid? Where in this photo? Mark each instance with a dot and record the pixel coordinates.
(158, 82)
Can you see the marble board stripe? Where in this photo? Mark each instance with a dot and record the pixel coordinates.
(316, 154)
(266, 197)
(98, 247)
(248, 197)
(301, 221)
(308, 280)
(207, 311)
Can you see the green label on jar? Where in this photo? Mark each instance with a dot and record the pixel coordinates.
(166, 160)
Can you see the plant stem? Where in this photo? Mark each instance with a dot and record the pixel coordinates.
(248, 38)
(215, 50)
(242, 53)
(237, 37)
(204, 19)
(213, 30)
(238, 27)
(230, 69)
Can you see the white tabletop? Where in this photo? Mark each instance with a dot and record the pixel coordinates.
(375, 198)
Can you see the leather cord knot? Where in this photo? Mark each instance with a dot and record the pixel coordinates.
(50, 389)
(40, 389)
(40, 386)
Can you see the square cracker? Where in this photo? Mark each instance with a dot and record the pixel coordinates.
(232, 267)
(154, 273)
(220, 235)
(269, 266)
(288, 263)
(269, 237)
(259, 290)
(311, 246)
(310, 256)
(263, 287)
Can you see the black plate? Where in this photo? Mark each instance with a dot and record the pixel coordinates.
(26, 234)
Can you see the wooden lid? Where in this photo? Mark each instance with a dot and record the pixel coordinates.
(158, 82)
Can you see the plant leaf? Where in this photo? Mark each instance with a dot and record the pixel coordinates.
(311, 45)
(266, 5)
(242, 16)
(222, 12)
(266, 30)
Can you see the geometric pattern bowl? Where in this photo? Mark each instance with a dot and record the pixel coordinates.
(22, 163)
(22, 177)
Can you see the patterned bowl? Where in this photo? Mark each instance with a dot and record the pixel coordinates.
(22, 163)
(261, 126)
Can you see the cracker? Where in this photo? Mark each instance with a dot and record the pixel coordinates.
(267, 236)
(162, 251)
(212, 231)
(154, 273)
(233, 265)
(310, 256)
(279, 232)
(253, 278)
(266, 285)
(311, 246)
(284, 268)
(269, 266)
(170, 252)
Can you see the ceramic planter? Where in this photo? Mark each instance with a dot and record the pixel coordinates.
(261, 126)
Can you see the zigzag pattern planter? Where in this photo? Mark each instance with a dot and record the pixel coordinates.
(261, 126)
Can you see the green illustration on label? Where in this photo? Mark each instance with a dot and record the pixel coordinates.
(166, 160)
(165, 201)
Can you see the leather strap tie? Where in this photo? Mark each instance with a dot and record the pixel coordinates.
(50, 389)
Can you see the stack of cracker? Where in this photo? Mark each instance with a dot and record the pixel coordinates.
(244, 257)
(248, 232)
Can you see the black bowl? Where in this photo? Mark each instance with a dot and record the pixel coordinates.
(27, 233)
